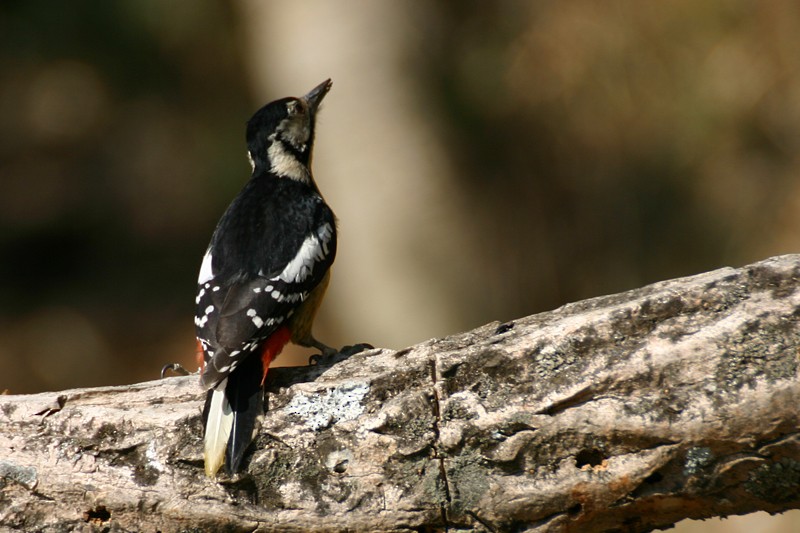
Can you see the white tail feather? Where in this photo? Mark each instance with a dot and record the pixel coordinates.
(218, 429)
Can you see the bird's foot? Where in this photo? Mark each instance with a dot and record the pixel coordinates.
(174, 367)
(344, 353)
(325, 352)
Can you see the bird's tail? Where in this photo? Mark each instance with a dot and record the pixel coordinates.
(234, 405)
(218, 418)
(231, 411)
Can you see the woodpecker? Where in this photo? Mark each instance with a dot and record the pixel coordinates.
(263, 275)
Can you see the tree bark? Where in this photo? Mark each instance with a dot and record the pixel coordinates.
(623, 413)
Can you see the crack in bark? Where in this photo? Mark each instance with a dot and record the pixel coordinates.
(480, 521)
(580, 397)
(445, 507)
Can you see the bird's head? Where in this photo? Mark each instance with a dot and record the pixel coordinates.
(280, 136)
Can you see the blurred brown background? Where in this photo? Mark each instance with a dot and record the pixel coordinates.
(486, 161)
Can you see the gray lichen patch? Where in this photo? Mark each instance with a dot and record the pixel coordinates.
(551, 360)
(486, 375)
(775, 482)
(765, 276)
(409, 420)
(144, 471)
(466, 475)
(284, 480)
(321, 410)
(27, 476)
(763, 349)
(697, 458)
(419, 479)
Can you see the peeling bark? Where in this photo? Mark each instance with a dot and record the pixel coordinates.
(625, 412)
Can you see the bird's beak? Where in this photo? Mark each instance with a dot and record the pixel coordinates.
(315, 95)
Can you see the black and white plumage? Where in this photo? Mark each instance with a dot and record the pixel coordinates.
(263, 275)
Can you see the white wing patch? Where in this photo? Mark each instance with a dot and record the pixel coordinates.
(206, 273)
(313, 249)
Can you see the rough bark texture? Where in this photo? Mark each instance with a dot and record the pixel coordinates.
(622, 413)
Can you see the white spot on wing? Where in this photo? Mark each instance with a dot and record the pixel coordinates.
(201, 321)
(257, 321)
(206, 273)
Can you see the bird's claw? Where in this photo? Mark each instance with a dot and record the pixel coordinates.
(175, 367)
(346, 351)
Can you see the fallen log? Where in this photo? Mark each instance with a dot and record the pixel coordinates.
(625, 412)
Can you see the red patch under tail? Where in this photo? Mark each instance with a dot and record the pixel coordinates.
(272, 348)
(198, 356)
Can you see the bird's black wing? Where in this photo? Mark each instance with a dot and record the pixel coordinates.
(245, 293)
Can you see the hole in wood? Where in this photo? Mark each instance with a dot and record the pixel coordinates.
(591, 457)
(98, 515)
(654, 478)
(575, 510)
(341, 467)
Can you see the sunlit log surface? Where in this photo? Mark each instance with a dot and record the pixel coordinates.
(625, 413)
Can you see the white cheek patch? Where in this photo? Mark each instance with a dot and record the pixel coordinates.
(284, 163)
(206, 273)
(252, 163)
(313, 250)
(294, 130)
